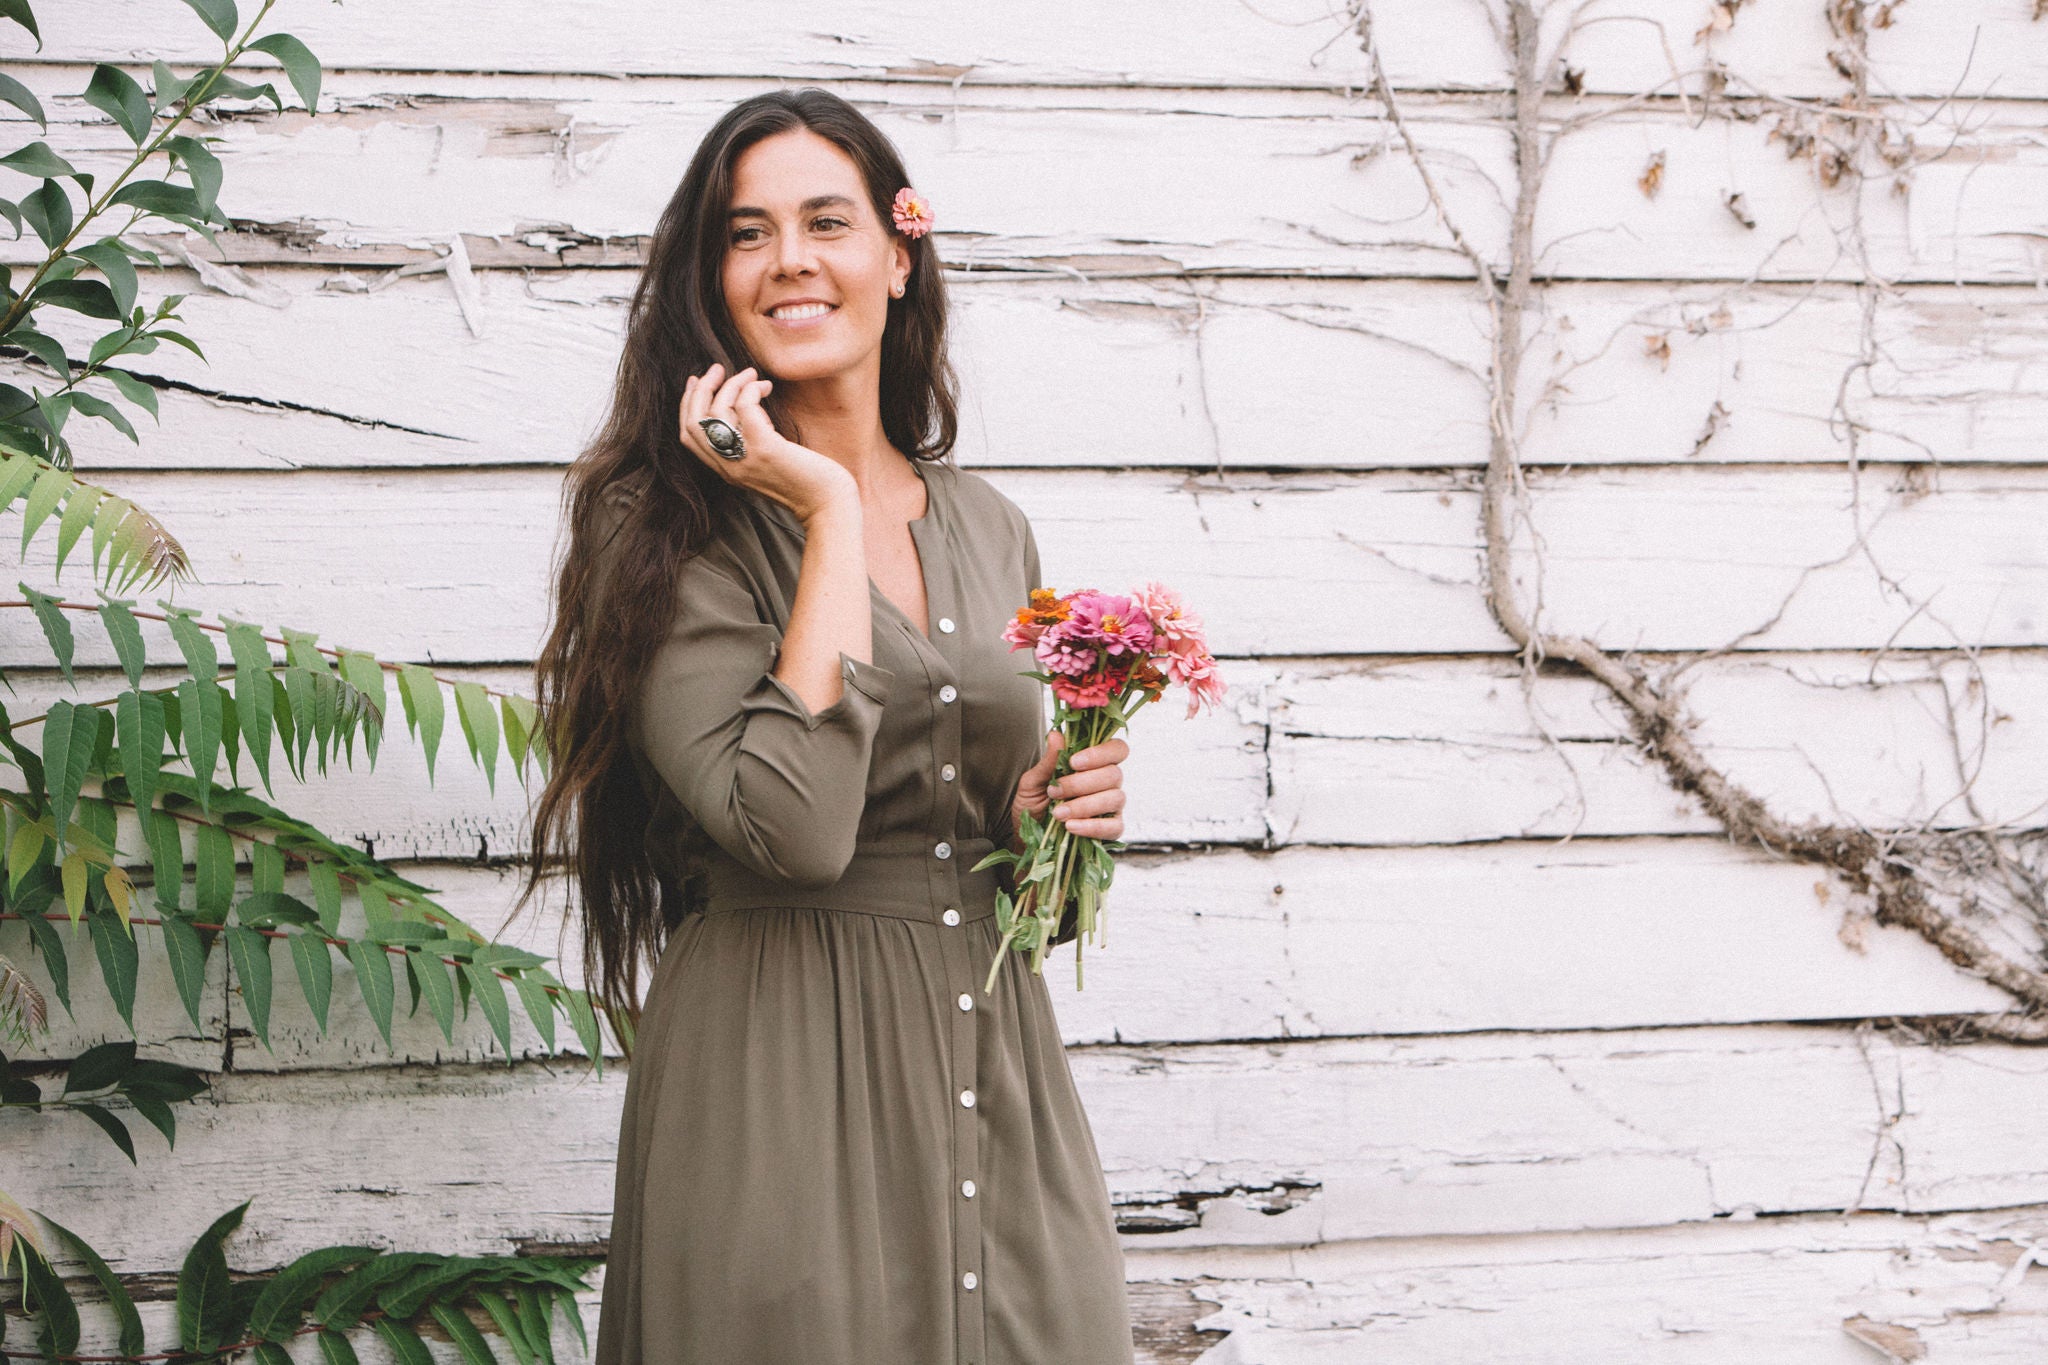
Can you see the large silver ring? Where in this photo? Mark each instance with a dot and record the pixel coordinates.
(724, 439)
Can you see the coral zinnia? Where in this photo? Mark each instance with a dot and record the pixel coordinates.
(912, 212)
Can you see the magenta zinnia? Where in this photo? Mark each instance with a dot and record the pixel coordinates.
(1104, 656)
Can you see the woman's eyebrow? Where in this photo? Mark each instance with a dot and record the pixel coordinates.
(816, 201)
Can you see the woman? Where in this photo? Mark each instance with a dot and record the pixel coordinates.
(787, 728)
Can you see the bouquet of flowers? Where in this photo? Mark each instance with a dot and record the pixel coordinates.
(1104, 656)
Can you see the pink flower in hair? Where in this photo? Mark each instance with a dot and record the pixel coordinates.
(912, 212)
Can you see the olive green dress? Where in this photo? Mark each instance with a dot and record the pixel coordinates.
(836, 1149)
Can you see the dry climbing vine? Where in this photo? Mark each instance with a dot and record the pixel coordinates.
(1932, 881)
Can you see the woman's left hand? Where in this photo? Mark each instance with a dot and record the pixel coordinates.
(1089, 799)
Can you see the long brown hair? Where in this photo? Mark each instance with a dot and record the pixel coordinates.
(592, 814)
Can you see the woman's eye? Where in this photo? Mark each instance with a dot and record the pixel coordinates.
(827, 224)
(744, 236)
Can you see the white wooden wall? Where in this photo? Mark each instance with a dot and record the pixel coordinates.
(1417, 1038)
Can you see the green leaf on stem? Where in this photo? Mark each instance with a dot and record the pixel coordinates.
(316, 973)
(187, 952)
(249, 953)
(490, 993)
(114, 943)
(130, 1342)
(47, 211)
(134, 390)
(301, 67)
(21, 97)
(57, 632)
(373, 978)
(214, 871)
(39, 161)
(282, 1305)
(468, 1341)
(424, 713)
(114, 93)
(255, 698)
(204, 169)
(540, 1006)
(107, 257)
(437, 986)
(204, 1289)
(479, 728)
(218, 15)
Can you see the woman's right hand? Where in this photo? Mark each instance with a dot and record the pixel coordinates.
(797, 477)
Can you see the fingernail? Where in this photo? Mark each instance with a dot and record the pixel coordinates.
(1053, 789)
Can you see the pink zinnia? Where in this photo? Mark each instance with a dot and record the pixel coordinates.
(1198, 672)
(912, 212)
(1169, 615)
(1064, 648)
(1117, 624)
(1086, 692)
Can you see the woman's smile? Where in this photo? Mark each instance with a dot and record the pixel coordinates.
(801, 314)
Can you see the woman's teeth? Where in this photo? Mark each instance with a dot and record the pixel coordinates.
(801, 312)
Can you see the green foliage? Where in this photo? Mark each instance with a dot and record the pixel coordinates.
(341, 1289)
(110, 1071)
(156, 753)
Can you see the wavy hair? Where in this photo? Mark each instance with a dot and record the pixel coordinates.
(592, 813)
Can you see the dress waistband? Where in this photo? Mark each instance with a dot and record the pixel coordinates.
(904, 881)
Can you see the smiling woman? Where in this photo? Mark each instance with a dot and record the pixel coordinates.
(786, 728)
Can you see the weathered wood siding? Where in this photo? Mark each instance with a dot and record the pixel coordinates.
(1433, 1026)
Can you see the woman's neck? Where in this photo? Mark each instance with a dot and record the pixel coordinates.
(841, 417)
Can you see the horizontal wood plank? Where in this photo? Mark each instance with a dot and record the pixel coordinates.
(1301, 943)
(1229, 373)
(453, 565)
(1626, 46)
(1212, 1147)
(1819, 1290)
(1125, 183)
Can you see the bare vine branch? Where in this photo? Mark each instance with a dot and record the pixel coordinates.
(1906, 874)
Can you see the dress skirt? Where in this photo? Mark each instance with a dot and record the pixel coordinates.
(795, 1158)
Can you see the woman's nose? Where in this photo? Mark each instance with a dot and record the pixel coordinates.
(793, 254)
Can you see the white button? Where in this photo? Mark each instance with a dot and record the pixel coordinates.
(969, 1280)
(947, 772)
(946, 624)
(944, 850)
(948, 692)
(951, 917)
(967, 1188)
(967, 1099)
(966, 1001)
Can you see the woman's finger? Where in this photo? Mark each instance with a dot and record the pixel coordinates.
(722, 402)
(1096, 827)
(751, 418)
(1100, 755)
(1091, 806)
(1083, 781)
(695, 389)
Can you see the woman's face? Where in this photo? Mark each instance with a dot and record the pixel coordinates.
(809, 267)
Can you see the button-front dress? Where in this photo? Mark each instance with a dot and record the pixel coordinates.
(836, 1149)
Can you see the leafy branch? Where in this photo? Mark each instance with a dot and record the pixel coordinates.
(343, 1289)
(33, 422)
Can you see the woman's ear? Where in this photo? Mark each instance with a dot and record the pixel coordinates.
(900, 267)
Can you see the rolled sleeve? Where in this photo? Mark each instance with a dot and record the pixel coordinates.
(778, 787)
